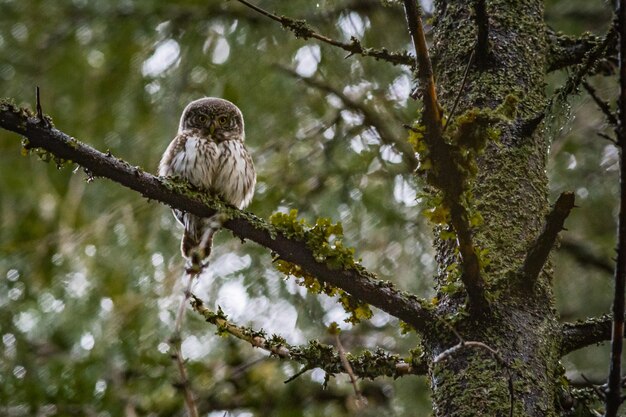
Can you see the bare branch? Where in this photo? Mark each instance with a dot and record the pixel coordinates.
(314, 355)
(370, 118)
(301, 30)
(482, 28)
(449, 179)
(360, 400)
(540, 249)
(614, 382)
(175, 342)
(585, 333)
(355, 280)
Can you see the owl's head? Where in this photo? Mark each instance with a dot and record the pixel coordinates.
(213, 117)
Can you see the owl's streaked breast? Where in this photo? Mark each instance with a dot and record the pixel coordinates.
(224, 167)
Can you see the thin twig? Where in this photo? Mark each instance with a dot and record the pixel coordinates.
(458, 96)
(304, 31)
(176, 345)
(542, 246)
(39, 110)
(360, 400)
(463, 344)
(614, 382)
(603, 105)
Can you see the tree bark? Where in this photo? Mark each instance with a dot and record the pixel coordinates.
(510, 192)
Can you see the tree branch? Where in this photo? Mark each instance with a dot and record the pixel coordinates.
(370, 118)
(358, 282)
(482, 28)
(585, 333)
(447, 175)
(604, 107)
(586, 256)
(614, 382)
(314, 355)
(301, 30)
(566, 51)
(588, 63)
(540, 249)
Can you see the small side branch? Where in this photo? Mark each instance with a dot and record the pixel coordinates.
(314, 355)
(542, 246)
(588, 63)
(482, 27)
(581, 334)
(370, 118)
(567, 51)
(301, 30)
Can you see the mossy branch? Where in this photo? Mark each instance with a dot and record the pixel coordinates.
(567, 51)
(539, 251)
(302, 30)
(587, 66)
(316, 355)
(356, 281)
(585, 333)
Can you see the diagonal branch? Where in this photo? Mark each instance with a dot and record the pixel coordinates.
(448, 176)
(370, 117)
(539, 251)
(358, 282)
(314, 355)
(602, 105)
(586, 256)
(585, 333)
(302, 30)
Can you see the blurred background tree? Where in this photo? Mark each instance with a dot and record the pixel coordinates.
(90, 273)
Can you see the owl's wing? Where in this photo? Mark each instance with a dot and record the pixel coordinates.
(174, 148)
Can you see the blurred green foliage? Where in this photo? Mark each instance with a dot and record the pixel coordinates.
(90, 272)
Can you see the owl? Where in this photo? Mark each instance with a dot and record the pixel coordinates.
(209, 152)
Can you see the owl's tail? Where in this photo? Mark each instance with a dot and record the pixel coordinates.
(197, 238)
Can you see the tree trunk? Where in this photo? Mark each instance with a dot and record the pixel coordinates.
(510, 192)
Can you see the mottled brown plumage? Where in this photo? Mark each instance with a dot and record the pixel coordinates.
(209, 152)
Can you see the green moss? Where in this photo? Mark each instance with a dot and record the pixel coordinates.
(325, 239)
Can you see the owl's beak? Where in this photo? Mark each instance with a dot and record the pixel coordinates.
(212, 127)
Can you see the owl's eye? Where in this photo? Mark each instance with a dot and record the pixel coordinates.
(222, 120)
(202, 119)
